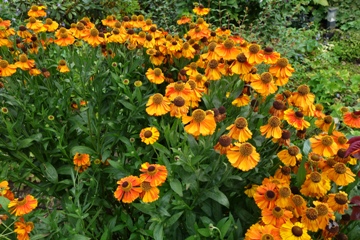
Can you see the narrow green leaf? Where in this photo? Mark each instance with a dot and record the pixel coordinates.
(176, 187)
(159, 232)
(4, 202)
(225, 227)
(82, 149)
(204, 232)
(301, 174)
(218, 196)
(161, 148)
(173, 219)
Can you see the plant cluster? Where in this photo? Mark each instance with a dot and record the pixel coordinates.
(128, 131)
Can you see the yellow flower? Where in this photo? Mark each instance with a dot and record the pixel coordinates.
(149, 135)
(243, 156)
(294, 231)
(22, 206)
(290, 156)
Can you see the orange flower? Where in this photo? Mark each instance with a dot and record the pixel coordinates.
(324, 145)
(239, 130)
(155, 76)
(149, 193)
(315, 185)
(290, 156)
(183, 20)
(283, 173)
(64, 38)
(282, 69)
(284, 199)
(224, 144)
(50, 25)
(199, 79)
(155, 174)
(261, 232)
(24, 63)
(296, 119)
(4, 23)
(227, 50)
(338, 202)
(179, 107)
(200, 123)
(37, 11)
(22, 206)
(62, 67)
(201, 10)
(187, 51)
(243, 156)
(310, 219)
(22, 229)
(284, 140)
(6, 69)
(298, 205)
(109, 21)
(352, 119)
(302, 99)
(240, 65)
(4, 187)
(242, 100)
(81, 159)
(250, 190)
(253, 54)
(264, 85)
(223, 32)
(149, 135)
(340, 174)
(35, 25)
(157, 105)
(276, 216)
(266, 196)
(318, 111)
(324, 214)
(210, 54)
(128, 189)
(179, 88)
(272, 129)
(93, 38)
(270, 56)
(214, 70)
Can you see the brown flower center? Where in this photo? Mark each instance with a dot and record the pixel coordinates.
(328, 119)
(342, 140)
(311, 213)
(179, 86)
(246, 149)
(286, 170)
(322, 209)
(32, 20)
(179, 101)
(241, 58)
(254, 48)
(274, 121)
(34, 8)
(278, 105)
(270, 195)
(186, 46)
(282, 62)
(23, 58)
(48, 21)
(268, 50)
(198, 115)
(340, 168)
(212, 46)
(286, 134)
(151, 169)
(126, 186)
(341, 199)
(267, 236)
(147, 134)
(293, 150)
(266, 77)
(341, 153)
(241, 123)
(157, 72)
(297, 200)
(315, 157)
(157, 98)
(327, 141)
(229, 44)
(200, 21)
(285, 192)
(192, 84)
(80, 26)
(315, 177)
(213, 64)
(277, 212)
(62, 62)
(225, 141)
(4, 63)
(303, 90)
(319, 107)
(145, 186)
(297, 231)
(63, 35)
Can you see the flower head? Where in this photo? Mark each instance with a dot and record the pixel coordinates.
(200, 123)
(128, 189)
(155, 174)
(243, 156)
(149, 135)
(22, 229)
(22, 206)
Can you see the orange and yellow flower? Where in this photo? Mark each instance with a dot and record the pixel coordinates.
(37, 11)
(149, 193)
(264, 85)
(243, 156)
(22, 206)
(149, 135)
(224, 144)
(22, 229)
(315, 185)
(296, 119)
(155, 75)
(282, 69)
(157, 105)
(324, 145)
(272, 128)
(183, 20)
(254, 54)
(200, 123)
(291, 156)
(227, 50)
(179, 88)
(341, 174)
(294, 231)
(155, 174)
(6, 69)
(93, 38)
(352, 119)
(338, 202)
(201, 10)
(270, 56)
(62, 66)
(266, 195)
(276, 216)
(128, 189)
(260, 232)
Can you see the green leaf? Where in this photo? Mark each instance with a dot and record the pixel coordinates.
(24, 143)
(49, 172)
(80, 237)
(306, 147)
(159, 232)
(82, 149)
(218, 196)
(301, 174)
(322, 2)
(39, 236)
(173, 219)
(176, 187)
(4, 202)
(204, 232)
(224, 227)
(161, 148)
